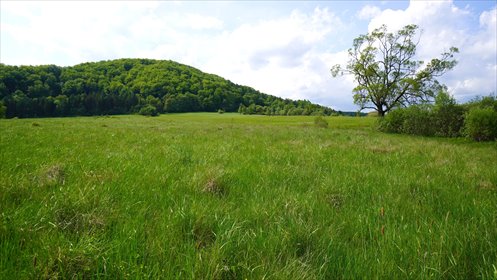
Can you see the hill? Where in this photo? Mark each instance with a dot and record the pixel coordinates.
(125, 86)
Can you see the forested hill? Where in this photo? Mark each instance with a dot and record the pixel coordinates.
(127, 86)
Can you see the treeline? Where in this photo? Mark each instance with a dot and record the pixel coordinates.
(127, 86)
(476, 119)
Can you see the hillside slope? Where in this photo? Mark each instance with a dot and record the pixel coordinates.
(125, 86)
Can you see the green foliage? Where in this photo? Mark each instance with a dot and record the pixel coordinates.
(482, 102)
(445, 118)
(209, 196)
(386, 72)
(3, 111)
(480, 124)
(124, 86)
(319, 121)
(393, 122)
(448, 116)
(424, 120)
(418, 120)
(220, 111)
(149, 110)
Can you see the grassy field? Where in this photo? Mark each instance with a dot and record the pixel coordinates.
(211, 196)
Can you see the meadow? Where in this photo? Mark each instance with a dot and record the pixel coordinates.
(228, 196)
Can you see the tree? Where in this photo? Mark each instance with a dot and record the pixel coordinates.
(387, 73)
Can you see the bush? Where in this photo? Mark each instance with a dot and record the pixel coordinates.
(220, 111)
(448, 120)
(480, 124)
(318, 113)
(424, 120)
(482, 102)
(419, 120)
(393, 121)
(319, 121)
(148, 110)
(448, 115)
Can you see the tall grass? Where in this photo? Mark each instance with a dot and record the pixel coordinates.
(225, 196)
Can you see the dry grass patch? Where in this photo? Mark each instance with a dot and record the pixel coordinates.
(52, 175)
(212, 181)
(203, 234)
(486, 185)
(382, 149)
(73, 261)
(336, 200)
(77, 219)
(98, 176)
(214, 186)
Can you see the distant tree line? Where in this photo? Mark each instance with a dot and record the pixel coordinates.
(127, 86)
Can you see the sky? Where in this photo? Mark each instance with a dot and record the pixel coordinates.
(282, 48)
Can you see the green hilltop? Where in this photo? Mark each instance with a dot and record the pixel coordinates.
(126, 86)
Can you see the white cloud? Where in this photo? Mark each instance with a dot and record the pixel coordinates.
(280, 56)
(67, 32)
(201, 22)
(73, 32)
(368, 12)
(285, 53)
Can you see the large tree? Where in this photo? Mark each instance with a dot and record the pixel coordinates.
(387, 73)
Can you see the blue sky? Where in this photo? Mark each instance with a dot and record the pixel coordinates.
(284, 48)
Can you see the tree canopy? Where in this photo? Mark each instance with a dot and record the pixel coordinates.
(127, 86)
(387, 72)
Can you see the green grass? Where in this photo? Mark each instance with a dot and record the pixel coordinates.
(225, 196)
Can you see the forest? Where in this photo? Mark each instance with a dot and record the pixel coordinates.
(127, 86)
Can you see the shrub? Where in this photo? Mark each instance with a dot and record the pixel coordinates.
(483, 102)
(393, 121)
(426, 120)
(148, 110)
(317, 113)
(220, 111)
(480, 124)
(448, 115)
(448, 120)
(418, 120)
(319, 121)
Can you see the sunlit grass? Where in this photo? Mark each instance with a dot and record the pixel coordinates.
(227, 196)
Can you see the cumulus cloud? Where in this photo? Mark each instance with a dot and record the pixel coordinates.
(74, 32)
(66, 32)
(280, 56)
(368, 12)
(288, 53)
(201, 22)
